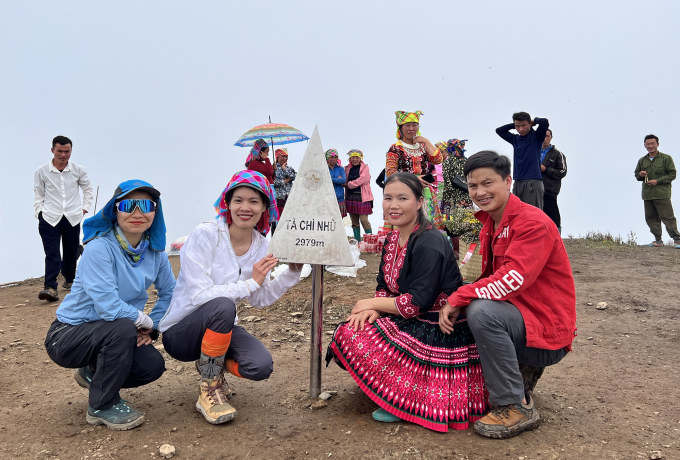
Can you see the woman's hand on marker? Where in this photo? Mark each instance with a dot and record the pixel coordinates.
(264, 266)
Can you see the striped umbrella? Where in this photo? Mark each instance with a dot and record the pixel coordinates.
(277, 133)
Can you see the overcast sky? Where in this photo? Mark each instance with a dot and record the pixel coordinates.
(161, 90)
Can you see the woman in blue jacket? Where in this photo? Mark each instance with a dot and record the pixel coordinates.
(339, 178)
(101, 328)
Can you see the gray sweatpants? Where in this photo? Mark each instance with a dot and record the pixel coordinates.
(498, 328)
(529, 191)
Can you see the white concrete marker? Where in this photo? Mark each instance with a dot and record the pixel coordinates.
(310, 229)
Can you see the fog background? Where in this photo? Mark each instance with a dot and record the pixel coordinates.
(160, 91)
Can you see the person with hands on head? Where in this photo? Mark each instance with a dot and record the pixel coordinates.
(414, 154)
(101, 327)
(392, 345)
(223, 262)
(656, 171)
(527, 145)
(522, 309)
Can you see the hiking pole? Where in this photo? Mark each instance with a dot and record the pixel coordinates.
(95, 201)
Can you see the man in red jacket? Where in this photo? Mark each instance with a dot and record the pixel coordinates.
(522, 310)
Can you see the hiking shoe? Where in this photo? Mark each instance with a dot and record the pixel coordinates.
(655, 244)
(83, 377)
(505, 422)
(226, 388)
(67, 285)
(212, 402)
(530, 376)
(49, 294)
(118, 417)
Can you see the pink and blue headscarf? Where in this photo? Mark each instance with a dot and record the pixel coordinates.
(259, 145)
(256, 181)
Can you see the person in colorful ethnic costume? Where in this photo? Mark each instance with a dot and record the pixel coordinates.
(284, 176)
(358, 195)
(455, 188)
(101, 328)
(411, 153)
(338, 177)
(392, 346)
(223, 262)
(258, 160)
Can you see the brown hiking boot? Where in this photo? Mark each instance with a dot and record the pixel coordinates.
(212, 402)
(49, 294)
(530, 376)
(228, 390)
(508, 421)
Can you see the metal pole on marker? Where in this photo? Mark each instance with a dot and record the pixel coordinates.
(317, 329)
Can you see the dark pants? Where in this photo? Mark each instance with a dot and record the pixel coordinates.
(69, 237)
(657, 211)
(183, 340)
(110, 349)
(529, 191)
(551, 209)
(498, 328)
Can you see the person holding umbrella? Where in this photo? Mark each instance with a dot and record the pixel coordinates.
(222, 263)
(338, 177)
(258, 160)
(358, 195)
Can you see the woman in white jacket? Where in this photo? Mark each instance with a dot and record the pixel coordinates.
(223, 262)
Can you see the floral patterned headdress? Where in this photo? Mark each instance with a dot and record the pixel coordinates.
(256, 181)
(456, 147)
(407, 117)
(259, 145)
(355, 153)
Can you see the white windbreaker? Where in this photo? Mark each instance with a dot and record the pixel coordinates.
(211, 269)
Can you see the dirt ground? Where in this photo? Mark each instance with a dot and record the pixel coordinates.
(614, 397)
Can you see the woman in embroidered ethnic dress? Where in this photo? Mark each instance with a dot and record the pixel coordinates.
(401, 359)
(455, 186)
(411, 153)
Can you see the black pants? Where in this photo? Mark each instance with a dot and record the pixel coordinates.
(110, 349)
(551, 209)
(69, 237)
(183, 340)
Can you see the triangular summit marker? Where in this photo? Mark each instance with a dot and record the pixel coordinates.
(310, 229)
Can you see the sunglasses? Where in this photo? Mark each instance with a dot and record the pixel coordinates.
(128, 206)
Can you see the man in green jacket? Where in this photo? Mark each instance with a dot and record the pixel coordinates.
(656, 170)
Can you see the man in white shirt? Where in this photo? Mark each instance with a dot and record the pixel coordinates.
(59, 212)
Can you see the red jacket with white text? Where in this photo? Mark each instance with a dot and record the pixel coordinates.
(525, 263)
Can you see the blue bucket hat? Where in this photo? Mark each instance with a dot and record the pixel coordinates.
(102, 222)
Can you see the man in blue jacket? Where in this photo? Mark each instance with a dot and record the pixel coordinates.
(526, 160)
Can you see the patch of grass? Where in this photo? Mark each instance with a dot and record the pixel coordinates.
(607, 239)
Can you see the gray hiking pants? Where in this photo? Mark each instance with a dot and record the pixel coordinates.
(498, 328)
(529, 191)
